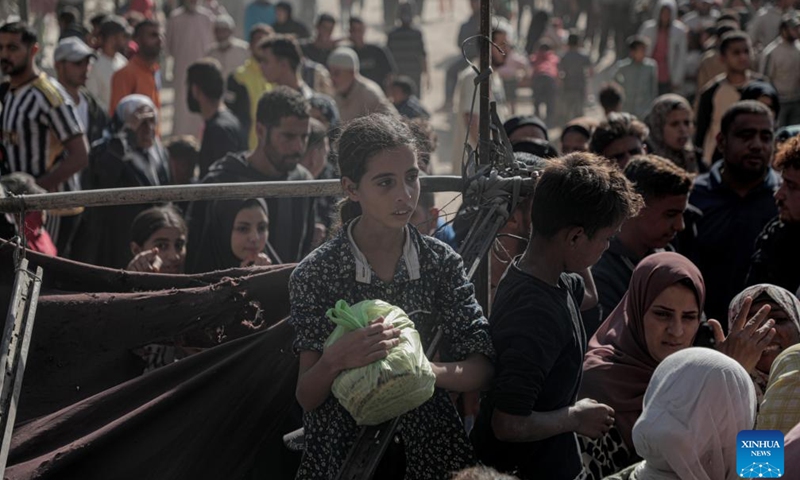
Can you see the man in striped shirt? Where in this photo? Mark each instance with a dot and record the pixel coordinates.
(38, 121)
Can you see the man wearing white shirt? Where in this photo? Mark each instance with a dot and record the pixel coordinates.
(113, 38)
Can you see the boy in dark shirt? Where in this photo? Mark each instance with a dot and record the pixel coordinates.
(529, 417)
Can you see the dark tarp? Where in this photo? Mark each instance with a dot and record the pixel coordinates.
(219, 414)
(82, 342)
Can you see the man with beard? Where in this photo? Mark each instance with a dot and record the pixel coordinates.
(36, 108)
(282, 128)
(776, 260)
(141, 75)
(222, 133)
(736, 200)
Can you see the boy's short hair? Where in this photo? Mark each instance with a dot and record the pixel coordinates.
(655, 177)
(611, 95)
(405, 84)
(617, 125)
(582, 190)
(259, 28)
(573, 40)
(637, 41)
(788, 155)
(325, 17)
(184, 149)
(732, 37)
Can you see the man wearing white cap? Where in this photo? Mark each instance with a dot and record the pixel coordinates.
(73, 61)
(230, 52)
(355, 96)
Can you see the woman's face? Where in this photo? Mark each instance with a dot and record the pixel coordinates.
(143, 126)
(678, 128)
(671, 322)
(389, 190)
(171, 244)
(786, 334)
(250, 232)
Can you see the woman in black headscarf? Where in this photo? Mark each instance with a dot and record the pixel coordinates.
(236, 236)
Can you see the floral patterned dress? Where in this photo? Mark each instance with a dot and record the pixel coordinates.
(431, 286)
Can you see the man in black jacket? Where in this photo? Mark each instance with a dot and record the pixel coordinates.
(282, 128)
(776, 260)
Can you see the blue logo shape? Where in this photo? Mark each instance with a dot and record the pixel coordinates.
(759, 454)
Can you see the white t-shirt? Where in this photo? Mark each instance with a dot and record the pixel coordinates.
(99, 80)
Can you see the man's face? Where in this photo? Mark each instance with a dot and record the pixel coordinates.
(281, 15)
(665, 17)
(357, 31)
(638, 54)
(325, 31)
(738, 57)
(254, 41)
(788, 196)
(150, 41)
(73, 74)
(222, 34)
(121, 42)
(285, 144)
(498, 59)
(660, 220)
(272, 67)
(397, 95)
(748, 146)
(621, 151)
(342, 79)
(789, 33)
(15, 56)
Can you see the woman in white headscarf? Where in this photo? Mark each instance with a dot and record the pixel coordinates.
(697, 402)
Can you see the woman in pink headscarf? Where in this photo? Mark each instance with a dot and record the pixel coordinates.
(658, 316)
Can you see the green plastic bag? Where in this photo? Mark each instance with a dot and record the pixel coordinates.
(389, 387)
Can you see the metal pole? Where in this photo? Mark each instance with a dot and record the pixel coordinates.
(22, 7)
(484, 145)
(482, 279)
(186, 193)
(14, 348)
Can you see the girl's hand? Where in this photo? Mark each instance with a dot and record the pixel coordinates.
(363, 346)
(259, 260)
(147, 261)
(748, 338)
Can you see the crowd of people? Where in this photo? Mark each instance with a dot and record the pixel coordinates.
(644, 301)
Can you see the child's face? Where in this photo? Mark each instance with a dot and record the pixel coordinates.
(638, 54)
(737, 57)
(587, 251)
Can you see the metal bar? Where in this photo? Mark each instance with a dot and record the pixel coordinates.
(484, 141)
(14, 349)
(187, 193)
